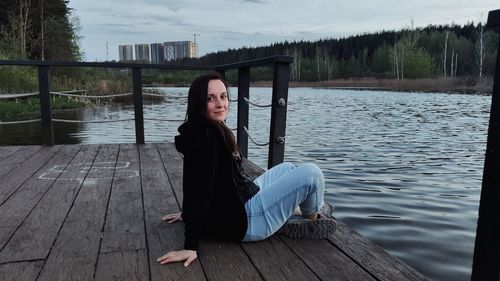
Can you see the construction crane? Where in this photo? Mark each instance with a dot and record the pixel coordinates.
(194, 35)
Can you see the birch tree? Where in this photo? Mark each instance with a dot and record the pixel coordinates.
(395, 56)
(23, 24)
(445, 52)
(479, 48)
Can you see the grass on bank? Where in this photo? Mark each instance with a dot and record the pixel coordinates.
(31, 106)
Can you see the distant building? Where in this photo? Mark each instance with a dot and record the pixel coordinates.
(179, 50)
(126, 53)
(160, 52)
(157, 51)
(142, 52)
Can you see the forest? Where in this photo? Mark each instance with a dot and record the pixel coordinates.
(430, 52)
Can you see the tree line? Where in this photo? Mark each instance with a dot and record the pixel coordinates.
(38, 30)
(430, 52)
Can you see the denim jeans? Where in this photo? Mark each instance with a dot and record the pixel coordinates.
(282, 189)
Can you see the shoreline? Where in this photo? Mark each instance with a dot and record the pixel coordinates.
(462, 85)
(466, 85)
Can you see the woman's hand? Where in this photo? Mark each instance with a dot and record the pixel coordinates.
(177, 256)
(170, 218)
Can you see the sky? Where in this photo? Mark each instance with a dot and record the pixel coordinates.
(225, 24)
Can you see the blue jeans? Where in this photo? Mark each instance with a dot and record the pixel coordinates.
(282, 189)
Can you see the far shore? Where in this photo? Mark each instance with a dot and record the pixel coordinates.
(438, 85)
(469, 85)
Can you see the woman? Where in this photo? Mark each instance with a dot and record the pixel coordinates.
(220, 201)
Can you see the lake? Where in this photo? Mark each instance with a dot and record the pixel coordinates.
(403, 169)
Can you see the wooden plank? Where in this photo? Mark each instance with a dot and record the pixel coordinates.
(174, 162)
(124, 226)
(220, 261)
(6, 151)
(16, 177)
(14, 160)
(15, 210)
(75, 251)
(328, 262)
(372, 257)
(275, 261)
(34, 239)
(159, 200)
(132, 265)
(226, 261)
(25, 271)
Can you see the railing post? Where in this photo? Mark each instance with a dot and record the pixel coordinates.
(45, 106)
(281, 76)
(138, 109)
(486, 264)
(243, 92)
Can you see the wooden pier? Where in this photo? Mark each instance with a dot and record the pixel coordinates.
(93, 212)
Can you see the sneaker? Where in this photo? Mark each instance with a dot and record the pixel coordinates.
(327, 210)
(319, 228)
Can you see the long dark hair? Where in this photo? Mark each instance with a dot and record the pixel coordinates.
(197, 109)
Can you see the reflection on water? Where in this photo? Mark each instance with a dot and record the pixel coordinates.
(404, 169)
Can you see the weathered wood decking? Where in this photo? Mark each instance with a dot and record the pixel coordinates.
(92, 212)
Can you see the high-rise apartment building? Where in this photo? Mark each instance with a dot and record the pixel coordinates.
(160, 52)
(142, 52)
(179, 50)
(157, 51)
(126, 53)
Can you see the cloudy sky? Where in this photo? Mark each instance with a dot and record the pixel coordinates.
(224, 24)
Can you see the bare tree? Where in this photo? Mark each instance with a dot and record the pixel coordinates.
(452, 62)
(318, 61)
(479, 47)
(23, 24)
(445, 52)
(42, 55)
(395, 52)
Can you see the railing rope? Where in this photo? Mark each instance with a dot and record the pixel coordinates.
(19, 122)
(91, 121)
(87, 121)
(251, 139)
(257, 105)
(92, 97)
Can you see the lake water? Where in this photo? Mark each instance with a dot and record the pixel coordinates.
(403, 169)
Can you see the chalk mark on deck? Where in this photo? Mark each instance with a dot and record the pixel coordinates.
(96, 171)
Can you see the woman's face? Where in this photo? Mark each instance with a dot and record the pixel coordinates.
(217, 101)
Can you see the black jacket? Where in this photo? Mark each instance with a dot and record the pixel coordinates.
(211, 206)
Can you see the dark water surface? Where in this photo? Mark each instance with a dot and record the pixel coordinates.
(403, 169)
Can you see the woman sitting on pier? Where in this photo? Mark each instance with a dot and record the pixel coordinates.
(220, 201)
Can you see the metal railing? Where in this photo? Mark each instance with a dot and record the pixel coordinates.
(486, 264)
(281, 76)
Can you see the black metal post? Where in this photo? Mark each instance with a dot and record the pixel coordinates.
(486, 264)
(45, 106)
(138, 109)
(243, 92)
(281, 76)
